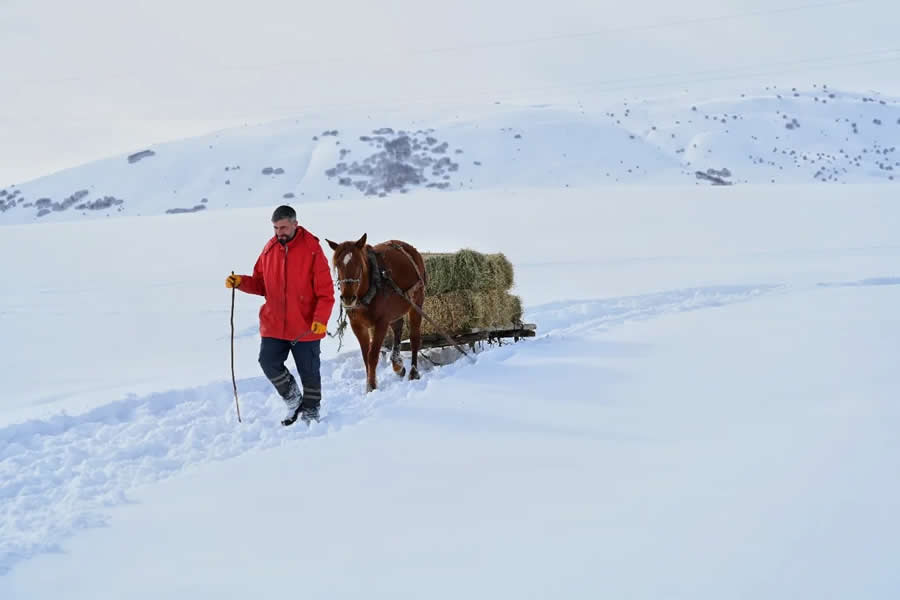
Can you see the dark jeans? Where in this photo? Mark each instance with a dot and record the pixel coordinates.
(272, 355)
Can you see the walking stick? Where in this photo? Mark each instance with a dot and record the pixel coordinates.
(233, 380)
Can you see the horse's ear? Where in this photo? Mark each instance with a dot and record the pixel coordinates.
(361, 242)
(332, 244)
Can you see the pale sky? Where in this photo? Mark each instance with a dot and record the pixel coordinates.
(89, 79)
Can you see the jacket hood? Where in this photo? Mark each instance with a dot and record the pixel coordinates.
(301, 237)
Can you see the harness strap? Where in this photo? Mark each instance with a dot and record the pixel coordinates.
(377, 275)
(419, 310)
(375, 278)
(422, 280)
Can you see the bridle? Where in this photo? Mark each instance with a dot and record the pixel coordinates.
(339, 282)
(376, 276)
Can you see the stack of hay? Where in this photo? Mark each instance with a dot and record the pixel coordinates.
(467, 291)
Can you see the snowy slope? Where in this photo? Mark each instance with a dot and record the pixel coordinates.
(763, 136)
(709, 407)
(672, 455)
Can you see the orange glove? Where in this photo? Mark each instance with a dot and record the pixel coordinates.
(318, 328)
(233, 281)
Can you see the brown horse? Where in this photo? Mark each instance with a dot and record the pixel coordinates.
(367, 277)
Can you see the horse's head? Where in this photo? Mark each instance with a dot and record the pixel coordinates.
(352, 269)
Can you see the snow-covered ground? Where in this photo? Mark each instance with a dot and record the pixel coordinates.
(738, 451)
(708, 410)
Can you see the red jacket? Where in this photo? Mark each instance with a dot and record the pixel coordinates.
(296, 282)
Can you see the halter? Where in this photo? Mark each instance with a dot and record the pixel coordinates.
(339, 282)
(375, 278)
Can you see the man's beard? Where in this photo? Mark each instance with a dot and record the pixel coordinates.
(284, 239)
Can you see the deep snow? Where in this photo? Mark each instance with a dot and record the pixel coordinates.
(707, 410)
(736, 449)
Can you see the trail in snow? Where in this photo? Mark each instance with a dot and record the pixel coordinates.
(574, 317)
(863, 282)
(59, 474)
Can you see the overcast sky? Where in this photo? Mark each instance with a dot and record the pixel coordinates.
(88, 79)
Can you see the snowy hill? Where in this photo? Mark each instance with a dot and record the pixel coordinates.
(818, 135)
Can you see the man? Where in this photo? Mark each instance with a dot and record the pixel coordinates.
(293, 275)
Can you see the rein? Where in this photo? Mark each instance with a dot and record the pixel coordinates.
(342, 326)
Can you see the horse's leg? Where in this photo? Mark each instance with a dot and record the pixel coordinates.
(377, 340)
(396, 359)
(362, 335)
(415, 333)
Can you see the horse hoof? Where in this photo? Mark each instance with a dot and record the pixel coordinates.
(401, 371)
(370, 388)
(414, 374)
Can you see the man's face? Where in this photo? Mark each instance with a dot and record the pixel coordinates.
(285, 229)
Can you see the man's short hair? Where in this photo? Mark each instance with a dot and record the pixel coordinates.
(284, 212)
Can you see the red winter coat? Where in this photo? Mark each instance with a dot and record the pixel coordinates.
(296, 282)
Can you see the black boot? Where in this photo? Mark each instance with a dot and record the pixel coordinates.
(309, 414)
(293, 402)
(309, 410)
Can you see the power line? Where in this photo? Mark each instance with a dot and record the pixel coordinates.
(726, 76)
(568, 36)
(733, 72)
(880, 56)
(652, 26)
(274, 66)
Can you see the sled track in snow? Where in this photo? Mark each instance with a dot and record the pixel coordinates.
(581, 317)
(61, 474)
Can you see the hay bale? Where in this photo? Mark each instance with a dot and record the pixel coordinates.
(463, 311)
(467, 270)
